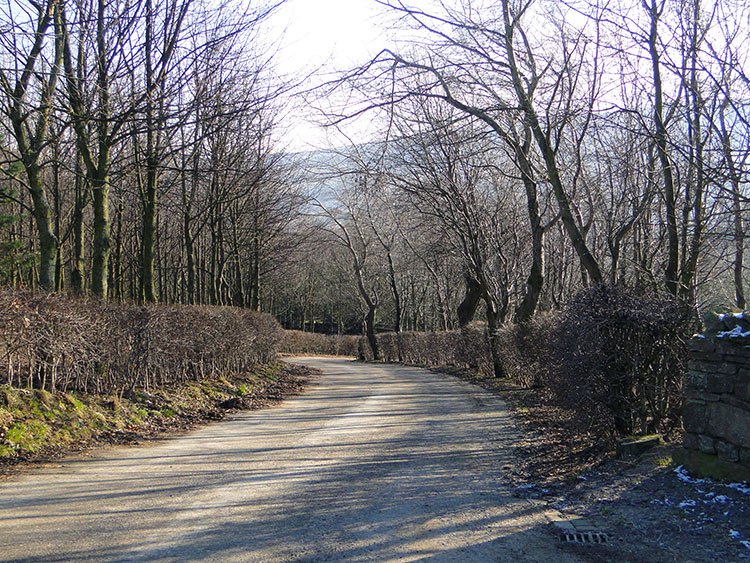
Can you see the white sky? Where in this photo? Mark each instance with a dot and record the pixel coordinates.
(328, 35)
(325, 31)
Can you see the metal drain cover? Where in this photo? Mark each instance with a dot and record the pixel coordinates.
(585, 537)
(574, 529)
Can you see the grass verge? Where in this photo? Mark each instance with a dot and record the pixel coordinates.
(39, 426)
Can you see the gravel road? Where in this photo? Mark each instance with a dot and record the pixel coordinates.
(372, 463)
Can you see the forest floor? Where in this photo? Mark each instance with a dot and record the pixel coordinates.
(38, 427)
(651, 510)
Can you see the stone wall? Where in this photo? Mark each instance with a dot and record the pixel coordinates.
(716, 415)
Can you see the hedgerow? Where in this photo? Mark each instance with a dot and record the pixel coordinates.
(54, 342)
(298, 342)
(615, 359)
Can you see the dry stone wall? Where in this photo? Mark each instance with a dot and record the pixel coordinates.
(716, 415)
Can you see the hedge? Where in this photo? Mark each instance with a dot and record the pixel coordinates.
(55, 342)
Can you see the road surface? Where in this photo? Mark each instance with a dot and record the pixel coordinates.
(372, 463)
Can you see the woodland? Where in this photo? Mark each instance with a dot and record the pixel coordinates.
(523, 150)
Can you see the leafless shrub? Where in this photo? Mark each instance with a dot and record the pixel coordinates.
(615, 359)
(298, 342)
(467, 348)
(525, 349)
(621, 359)
(59, 343)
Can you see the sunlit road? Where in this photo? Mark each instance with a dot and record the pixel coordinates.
(373, 463)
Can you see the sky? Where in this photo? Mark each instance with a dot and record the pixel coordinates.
(328, 35)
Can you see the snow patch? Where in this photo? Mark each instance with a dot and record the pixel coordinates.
(736, 332)
(741, 487)
(684, 476)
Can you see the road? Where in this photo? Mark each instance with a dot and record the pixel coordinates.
(371, 463)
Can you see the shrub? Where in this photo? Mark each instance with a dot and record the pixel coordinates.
(620, 359)
(466, 348)
(613, 358)
(298, 342)
(55, 342)
(526, 349)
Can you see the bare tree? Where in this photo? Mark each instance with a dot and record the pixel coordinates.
(114, 53)
(28, 86)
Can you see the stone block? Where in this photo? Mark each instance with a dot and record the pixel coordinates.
(694, 416)
(745, 456)
(690, 441)
(727, 368)
(716, 383)
(583, 525)
(727, 451)
(637, 445)
(742, 389)
(706, 396)
(695, 379)
(714, 323)
(727, 422)
(718, 367)
(706, 444)
(734, 348)
(706, 365)
(564, 526)
(700, 345)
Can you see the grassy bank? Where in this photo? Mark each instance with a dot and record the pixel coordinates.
(38, 425)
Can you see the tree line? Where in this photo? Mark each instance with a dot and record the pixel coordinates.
(548, 146)
(525, 149)
(138, 150)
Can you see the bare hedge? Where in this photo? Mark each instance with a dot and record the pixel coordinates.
(614, 358)
(298, 342)
(467, 348)
(622, 359)
(60, 343)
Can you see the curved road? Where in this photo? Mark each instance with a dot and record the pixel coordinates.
(373, 463)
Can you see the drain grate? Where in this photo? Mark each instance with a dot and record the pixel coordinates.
(585, 537)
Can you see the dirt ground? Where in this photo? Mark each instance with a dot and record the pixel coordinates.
(648, 509)
(372, 463)
(651, 510)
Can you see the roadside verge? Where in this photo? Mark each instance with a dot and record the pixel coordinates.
(38, 426)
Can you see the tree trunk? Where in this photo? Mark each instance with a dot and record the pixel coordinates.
(370, 332)
(468, 307)
(492, 337)
(148, 293)
(577, 238)
(116, 280)
(395, 292)
(695, 204)
(44, 227)
(255, 277)
(152, 174)
(190, 257)
(739, 255)
(78, 268)
(102, 237)
(58, 219)
(670, 272)
(535, 281)
(739, 227)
